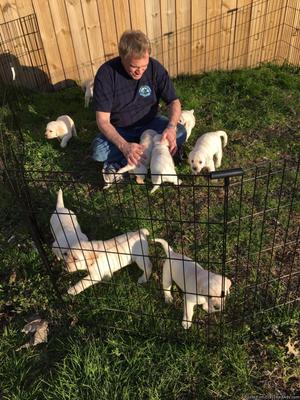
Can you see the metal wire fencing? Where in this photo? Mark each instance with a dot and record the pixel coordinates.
(229, 253)
(22, 57)
(204, 258)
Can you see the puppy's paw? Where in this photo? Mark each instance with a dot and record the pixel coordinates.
(142, 279)
(154, 189)
(186, 324)
(72, 291)
(168, 298)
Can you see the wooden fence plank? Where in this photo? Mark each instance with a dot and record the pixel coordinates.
(198, 39)
(33, 41)
(256, 33)
(279, 46)
(108, 28)
(183, 25)
(242, 33)
(79, 38)
(48, 36)
(153, 22)
(94, 34)
(2, 20)
(9, 10)
(274, 10)
(294, 42)
(227, 33)
(138, 18)
(122, 16)
(286, 34)
(24, 7)
(213, 32)
(65, 44)
(168, 31)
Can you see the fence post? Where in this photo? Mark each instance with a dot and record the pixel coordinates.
(225, 175)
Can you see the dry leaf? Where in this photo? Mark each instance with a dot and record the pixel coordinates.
(291, 348)
(13, 277)
(40, 329)
(74, 321)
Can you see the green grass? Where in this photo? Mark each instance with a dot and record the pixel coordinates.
(77, 364)
(119, 340)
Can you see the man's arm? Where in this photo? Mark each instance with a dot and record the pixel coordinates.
(174, 112)
(132, 151)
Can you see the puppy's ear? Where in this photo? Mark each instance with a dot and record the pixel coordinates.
(192, 111)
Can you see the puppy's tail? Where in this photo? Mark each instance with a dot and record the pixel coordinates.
(154, 189)
(127, 167)
(168, 249)
(60, 200)
(224, 136)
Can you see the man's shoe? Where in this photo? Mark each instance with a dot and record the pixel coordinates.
(179, 156)
(110, 174)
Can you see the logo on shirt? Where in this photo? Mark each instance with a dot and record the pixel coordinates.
(145, 91)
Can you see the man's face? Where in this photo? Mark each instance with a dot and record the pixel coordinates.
(135, 67)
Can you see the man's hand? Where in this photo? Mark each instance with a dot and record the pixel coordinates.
(133, 152)
(169, 134)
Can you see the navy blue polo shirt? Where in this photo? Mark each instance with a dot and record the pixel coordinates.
(131, 102)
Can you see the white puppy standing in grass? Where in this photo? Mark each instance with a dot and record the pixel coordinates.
(141, 170)
(162, 165)
(102, 258)
(199, 286)
(62, 129)
(206, 148)
(187, 119)
(65, 230)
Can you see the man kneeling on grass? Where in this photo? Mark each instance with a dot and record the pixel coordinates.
(127, 91)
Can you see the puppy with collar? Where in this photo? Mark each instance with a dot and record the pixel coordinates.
(187, 119)
(65, 230)
(62, 129)
(88, 87)
(162, 165)
(199, 286)
(206, 148)
(102, 258)
(141, 170)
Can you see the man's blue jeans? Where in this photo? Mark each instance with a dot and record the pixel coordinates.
(105, 151)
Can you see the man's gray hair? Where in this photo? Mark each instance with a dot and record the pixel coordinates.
(134, 42)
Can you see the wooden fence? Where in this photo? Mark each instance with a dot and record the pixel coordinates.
(188, 36)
